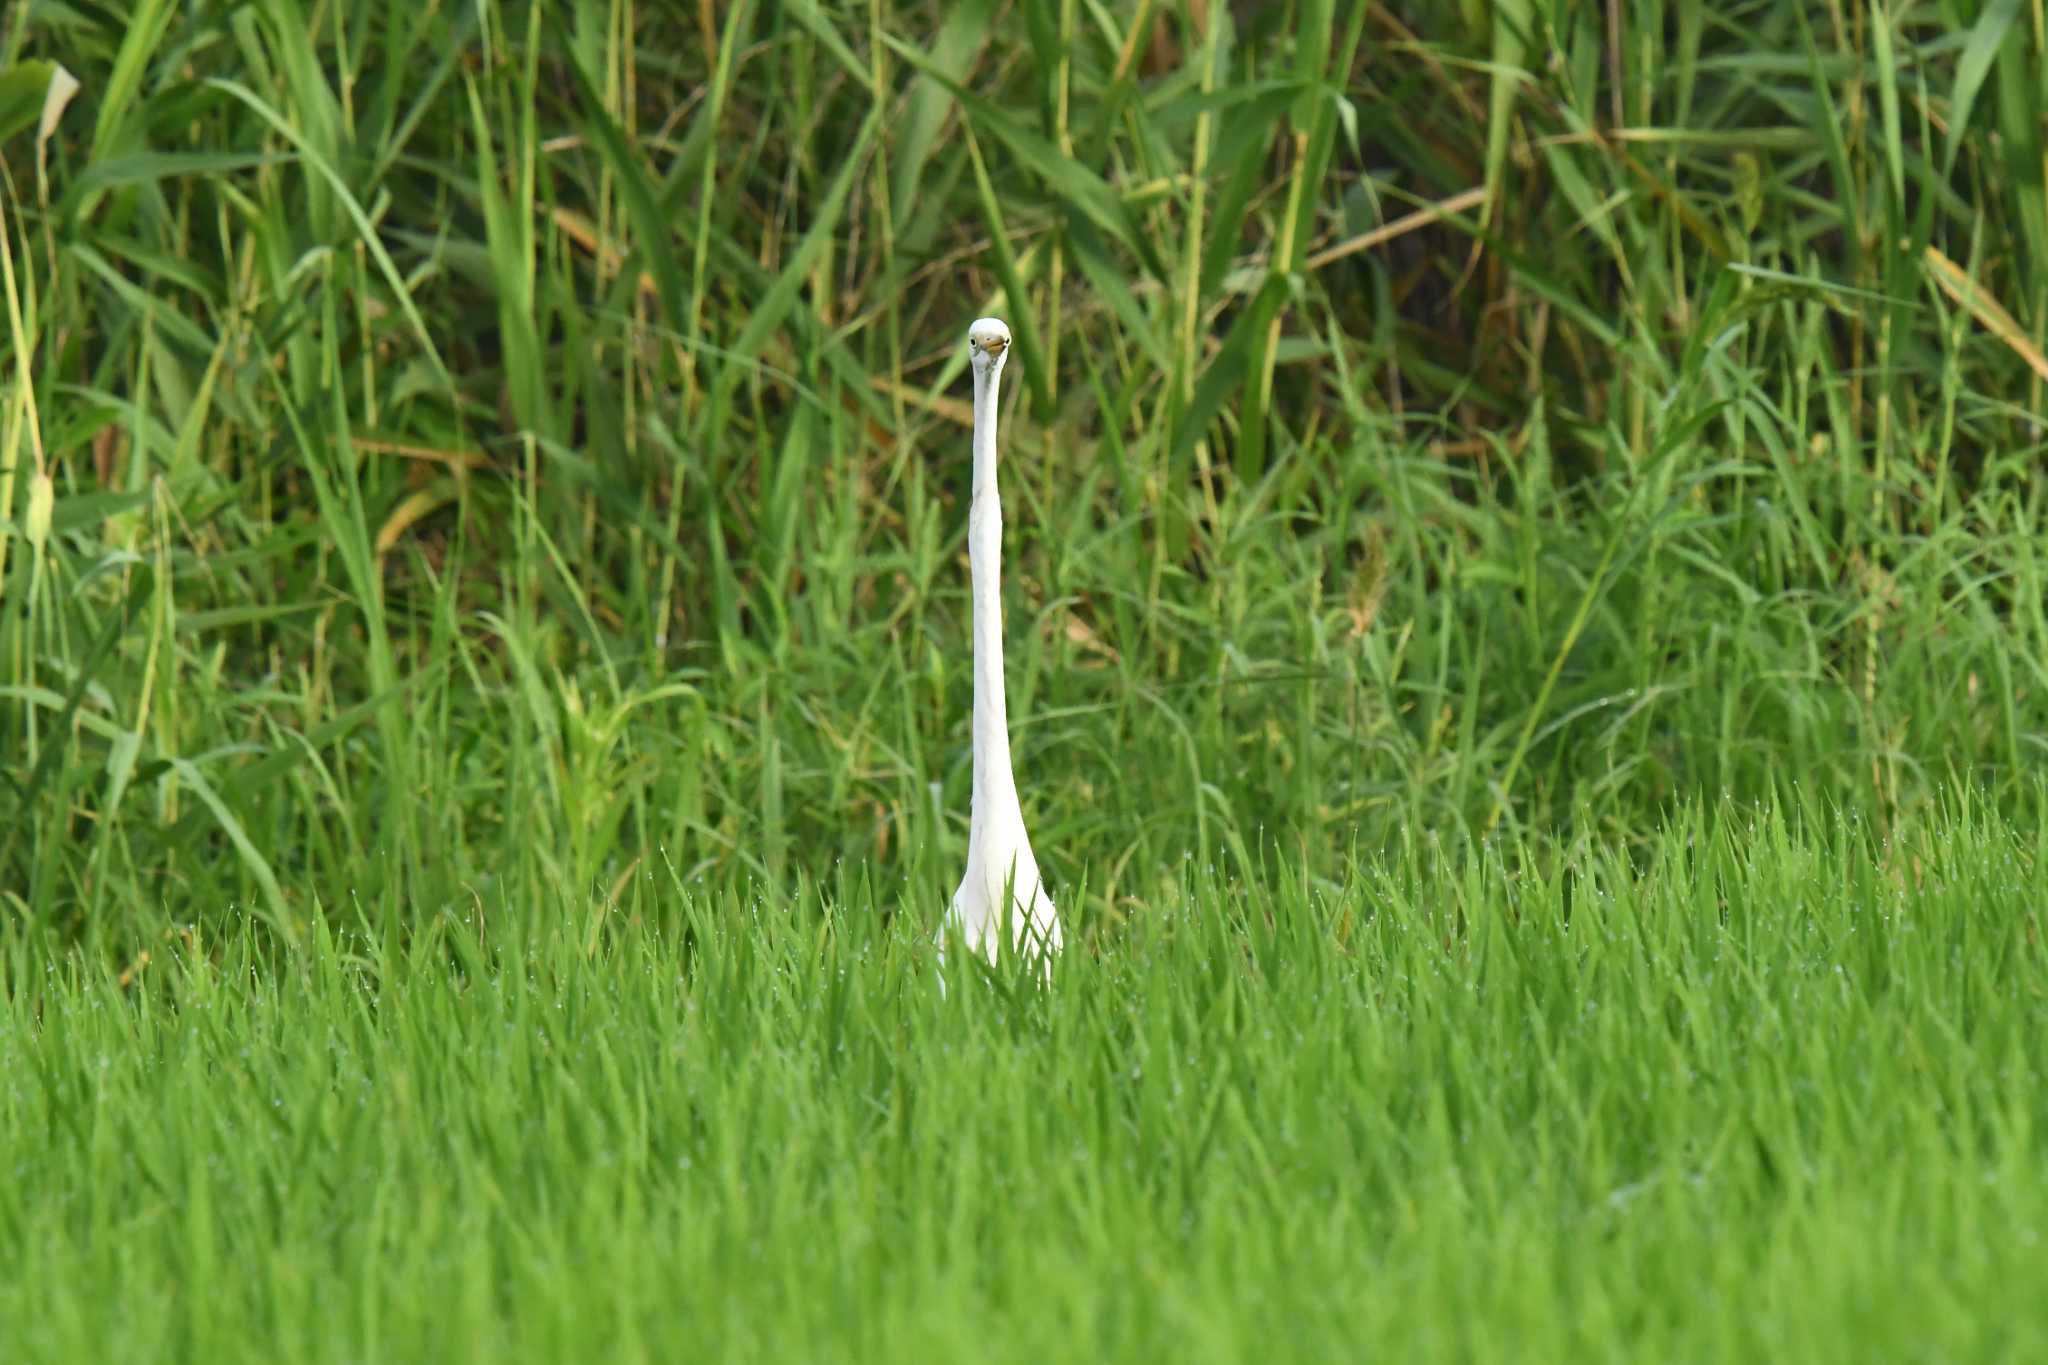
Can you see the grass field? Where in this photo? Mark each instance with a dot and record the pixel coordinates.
(1774, 1094)
(1528, 617)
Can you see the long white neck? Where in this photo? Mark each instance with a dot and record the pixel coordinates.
(995, 786)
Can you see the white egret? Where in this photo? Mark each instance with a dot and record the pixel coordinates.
(1002, 885)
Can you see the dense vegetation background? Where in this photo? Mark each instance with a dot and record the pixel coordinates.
(516, 454)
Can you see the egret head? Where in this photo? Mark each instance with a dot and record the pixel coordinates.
(988, 341)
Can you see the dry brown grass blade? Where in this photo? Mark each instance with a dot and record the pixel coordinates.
(579, 230)
(1959, 286)
(952, 409)
(454, 459)
(415, 506)
(1387, 232)
(1082, 635)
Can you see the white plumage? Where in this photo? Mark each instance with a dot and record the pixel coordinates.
(1002, 881)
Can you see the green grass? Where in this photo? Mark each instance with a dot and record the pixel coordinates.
(482, 618)
(603, 499)
(1775, 1092)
